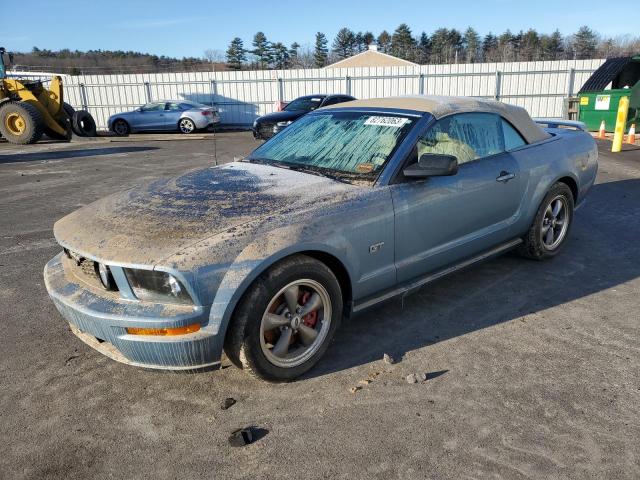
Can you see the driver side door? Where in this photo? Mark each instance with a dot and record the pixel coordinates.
(440, 221)
(151, 116)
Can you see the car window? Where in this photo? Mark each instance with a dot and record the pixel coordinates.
(187, 106)
(333, 101)
(305, 104)
(467, 136)
(512, 138)
(153, 107)
(174, 107)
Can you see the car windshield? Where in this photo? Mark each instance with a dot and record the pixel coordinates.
(345, 145)
(305, 104)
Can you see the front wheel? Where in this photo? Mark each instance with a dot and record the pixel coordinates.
(551, 225)
(286, 320)
(186, 125)
(121, 128)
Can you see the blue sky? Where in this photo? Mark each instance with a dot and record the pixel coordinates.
(188, 27)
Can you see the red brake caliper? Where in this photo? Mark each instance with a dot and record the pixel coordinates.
(310, 319)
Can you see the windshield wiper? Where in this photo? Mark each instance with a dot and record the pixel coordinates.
(266, 161)
(320, 172)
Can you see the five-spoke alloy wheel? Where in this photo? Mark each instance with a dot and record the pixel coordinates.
(295, 323)
(285, 320)
(551, 224)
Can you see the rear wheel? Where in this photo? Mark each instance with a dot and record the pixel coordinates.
(551, 225)
(186, 125)
(286, 320)
(21, 123)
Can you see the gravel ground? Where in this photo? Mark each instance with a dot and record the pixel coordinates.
(531, 368)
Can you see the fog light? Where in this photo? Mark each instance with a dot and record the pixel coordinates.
(164, 331)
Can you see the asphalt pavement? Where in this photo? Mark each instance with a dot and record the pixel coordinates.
(532, 368)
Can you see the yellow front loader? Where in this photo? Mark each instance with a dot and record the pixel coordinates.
(28, 109)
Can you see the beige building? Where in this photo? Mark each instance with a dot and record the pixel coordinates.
(372, 58)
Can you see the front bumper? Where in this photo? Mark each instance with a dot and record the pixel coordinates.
(101, 320)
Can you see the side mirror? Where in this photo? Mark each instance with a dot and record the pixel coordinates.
(432, 165)
(11, 58)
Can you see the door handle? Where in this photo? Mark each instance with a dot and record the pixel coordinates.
(505, 176)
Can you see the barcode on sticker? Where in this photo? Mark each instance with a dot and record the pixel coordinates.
(386, 121)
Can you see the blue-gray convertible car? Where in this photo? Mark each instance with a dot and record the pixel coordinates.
(349, 206)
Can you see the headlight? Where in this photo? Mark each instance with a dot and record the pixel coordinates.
(105, 276)
(154, 286)
(284, 124)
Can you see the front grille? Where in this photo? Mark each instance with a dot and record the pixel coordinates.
(82, 269)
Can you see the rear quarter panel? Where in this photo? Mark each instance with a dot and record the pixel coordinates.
(567, 153)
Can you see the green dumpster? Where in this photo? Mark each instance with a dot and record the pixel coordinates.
(601, 93)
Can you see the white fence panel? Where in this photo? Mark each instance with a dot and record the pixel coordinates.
(540, 87)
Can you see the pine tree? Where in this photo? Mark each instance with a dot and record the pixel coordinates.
(280, 56)
(490, 48)
(424, 48)
(584, 43)
(384, 42)
(471, 45)
(236, 54)
(368, 38)
(293, 54)
(439, 45)
(529, 48)
(344, 43)
(262, 49)
(321, 51)
(506, 47)
(403, 44)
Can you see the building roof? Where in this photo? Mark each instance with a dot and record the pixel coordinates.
(441, 106)
(372, 58)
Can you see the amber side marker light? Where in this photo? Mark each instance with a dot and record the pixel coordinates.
(164, 331)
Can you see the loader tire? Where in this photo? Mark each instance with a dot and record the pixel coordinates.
(83, 124)
(21, 123)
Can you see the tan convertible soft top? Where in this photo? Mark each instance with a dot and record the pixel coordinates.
(441, 106)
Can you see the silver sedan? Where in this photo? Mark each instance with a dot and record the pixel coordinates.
(165, 115)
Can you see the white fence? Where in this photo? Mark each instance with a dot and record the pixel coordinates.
(540, 87)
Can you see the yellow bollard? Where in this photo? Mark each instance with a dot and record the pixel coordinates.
(621, 121)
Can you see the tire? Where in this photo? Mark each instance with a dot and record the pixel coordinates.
(69, 110)
(252, 331)
(83, 124)
(21, 123)
(121, 128)
(186, 125)
(539, 243)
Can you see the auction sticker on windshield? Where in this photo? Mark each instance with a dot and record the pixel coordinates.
(396, 122)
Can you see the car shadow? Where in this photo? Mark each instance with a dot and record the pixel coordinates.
(233, 113)
(601, 253)
(65, 154)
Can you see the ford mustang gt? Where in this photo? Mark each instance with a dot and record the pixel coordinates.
(349, 206)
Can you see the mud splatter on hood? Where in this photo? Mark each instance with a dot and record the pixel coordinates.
(144, 225)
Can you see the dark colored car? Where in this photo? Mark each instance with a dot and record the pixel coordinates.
(267, 126)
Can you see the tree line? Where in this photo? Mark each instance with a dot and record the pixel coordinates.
(75, 62)
(440, 47)
(443, 46)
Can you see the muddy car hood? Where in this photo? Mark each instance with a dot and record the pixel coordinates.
(149, 223)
